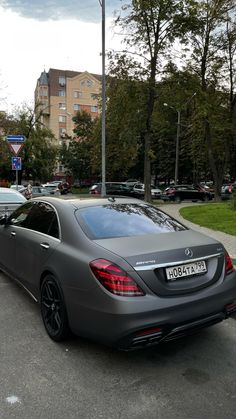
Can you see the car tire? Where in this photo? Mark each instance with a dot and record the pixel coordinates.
(53, 309)
(206, 198)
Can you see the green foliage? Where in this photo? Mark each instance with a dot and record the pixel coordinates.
(84, 125)
(207, 33)
(76, 158)
(39, 152)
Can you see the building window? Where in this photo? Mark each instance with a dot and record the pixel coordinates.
(62, 81)
(62, 105)
(86, 82)
(76, 107)
(77, 94)
(61, 93)
(62, 118)
(62, 132)
(94, 108)
(43, 91)
(94, 95)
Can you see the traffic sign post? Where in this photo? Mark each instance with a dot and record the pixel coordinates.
(16, 142)
(15, 138)
(16, 163)
(16, 148)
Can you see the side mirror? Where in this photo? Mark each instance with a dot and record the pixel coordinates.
(3, 219)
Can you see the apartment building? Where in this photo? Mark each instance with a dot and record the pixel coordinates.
(62, 93)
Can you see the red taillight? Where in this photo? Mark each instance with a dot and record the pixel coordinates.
(114, 279)
(151, 331)
(229, 267)
(230, 188)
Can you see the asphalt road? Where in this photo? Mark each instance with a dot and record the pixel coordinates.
(190, 379)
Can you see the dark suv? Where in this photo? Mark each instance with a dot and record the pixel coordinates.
(112, 188)
(179, 193)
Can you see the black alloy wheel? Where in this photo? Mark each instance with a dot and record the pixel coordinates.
(53, 309)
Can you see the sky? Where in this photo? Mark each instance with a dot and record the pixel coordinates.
(42, 34)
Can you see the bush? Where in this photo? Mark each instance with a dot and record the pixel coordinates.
(232, 202)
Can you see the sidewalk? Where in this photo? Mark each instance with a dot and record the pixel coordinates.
(227, 240)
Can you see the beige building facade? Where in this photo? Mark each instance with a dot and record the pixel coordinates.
(61, 94)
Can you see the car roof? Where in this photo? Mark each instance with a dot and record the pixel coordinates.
(81, 202)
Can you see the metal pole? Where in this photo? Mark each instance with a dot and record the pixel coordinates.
(17, 180)
(177, 150)
(103, 191)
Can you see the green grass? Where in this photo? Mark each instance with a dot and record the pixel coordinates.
(218, 216)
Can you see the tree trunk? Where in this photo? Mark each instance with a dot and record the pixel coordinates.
(217, 170)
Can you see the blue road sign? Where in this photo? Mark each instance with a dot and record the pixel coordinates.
(15, 138)
(16, 163)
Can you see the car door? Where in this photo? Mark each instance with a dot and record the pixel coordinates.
(8, 237)
(35, 244)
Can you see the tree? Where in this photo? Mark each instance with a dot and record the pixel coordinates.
(152, 26)
(77, 156)
(39, 153)
(207, 44)
(84, 125)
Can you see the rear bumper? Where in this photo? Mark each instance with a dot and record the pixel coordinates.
(125, 323)
(167, 334)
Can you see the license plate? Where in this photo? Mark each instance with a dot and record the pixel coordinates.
(190, 269)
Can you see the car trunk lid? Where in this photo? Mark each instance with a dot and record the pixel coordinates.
(152, 255)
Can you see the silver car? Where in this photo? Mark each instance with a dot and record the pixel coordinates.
(10, 199)
(117, 271)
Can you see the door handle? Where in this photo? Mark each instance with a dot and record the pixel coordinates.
(13, 233)
(44, 245)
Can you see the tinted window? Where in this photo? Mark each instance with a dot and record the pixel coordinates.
(123, 220)
(20, 216)
(43, 219)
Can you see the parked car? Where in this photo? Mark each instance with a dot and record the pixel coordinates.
(10, 199)
(39, 191)
(52, 188)
(138, 189)
(20, 188)
(120, 272)
(62, 185)
(112, 188)
(227, 190)
(180, 193)
(131, 182)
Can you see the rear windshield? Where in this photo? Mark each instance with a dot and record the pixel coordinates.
(125, 220)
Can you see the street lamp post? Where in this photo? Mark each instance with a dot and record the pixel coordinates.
(103, 191)
(177, 149)
(178, 135)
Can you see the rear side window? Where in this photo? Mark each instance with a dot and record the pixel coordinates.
(43, 219)
(123, 220)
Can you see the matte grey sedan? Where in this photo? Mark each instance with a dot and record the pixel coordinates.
(117, 271)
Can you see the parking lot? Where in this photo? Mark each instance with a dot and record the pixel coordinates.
(190, 378)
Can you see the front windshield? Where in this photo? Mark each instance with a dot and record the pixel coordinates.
(125, 220)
